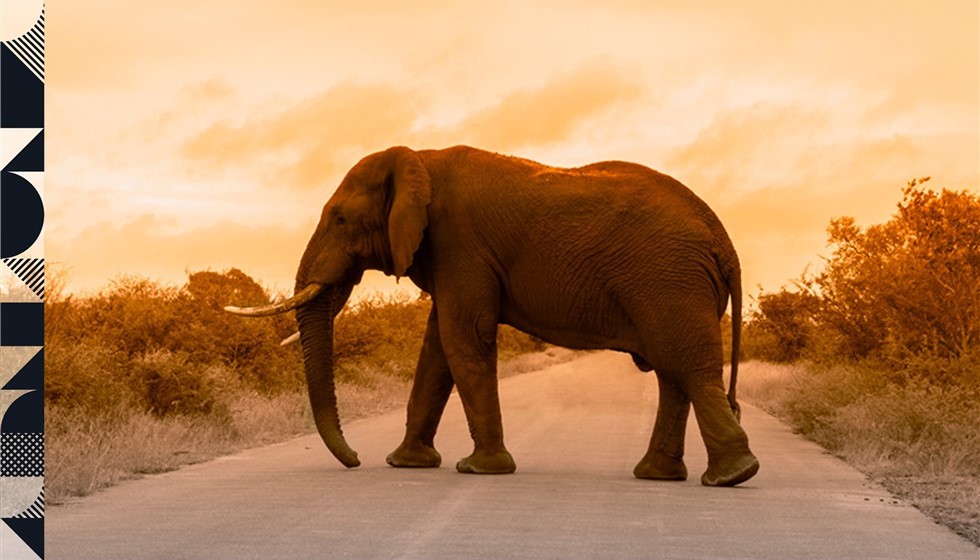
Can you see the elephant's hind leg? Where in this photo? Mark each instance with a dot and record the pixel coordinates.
(430, 392)
(664, 459)
(730, 461)
(687, 355)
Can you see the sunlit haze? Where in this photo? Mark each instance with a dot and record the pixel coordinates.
(184, 136)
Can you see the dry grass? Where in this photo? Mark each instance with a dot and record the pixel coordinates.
(919, 440)
(535, 361)
(375, 392)
(763, 383)
(87, 452)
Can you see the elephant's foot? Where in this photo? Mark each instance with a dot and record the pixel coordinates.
(485, 462)
(658, 466)
(414, 455)
(730, 469)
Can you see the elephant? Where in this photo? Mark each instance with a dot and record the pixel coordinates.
(611, 255)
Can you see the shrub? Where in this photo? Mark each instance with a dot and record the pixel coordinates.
(903, 291)
(910, 286)
(892, 328)
(88, 375)
(511, 342)
(784, 322)
(379, 333)
(134, 315)
(207, 334)
(386, 332)
(173, 384)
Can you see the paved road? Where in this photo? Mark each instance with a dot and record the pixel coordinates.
(576, 431)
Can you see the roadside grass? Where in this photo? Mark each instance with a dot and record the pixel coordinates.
(143, 378)
(87, 452)
(917, 438)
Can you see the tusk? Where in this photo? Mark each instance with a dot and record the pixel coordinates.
(297, 300)
(290, 339)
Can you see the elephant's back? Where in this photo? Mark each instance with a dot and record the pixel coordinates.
(600, 207)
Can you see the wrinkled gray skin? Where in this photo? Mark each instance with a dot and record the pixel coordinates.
(609, 255)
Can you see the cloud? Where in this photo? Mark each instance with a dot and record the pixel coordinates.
(212, 90)
(784, 118)
(796, 145)
(316, 138)
(319, 138)
(549, 113)
(745, 149)
(777, 173)
(148, 246)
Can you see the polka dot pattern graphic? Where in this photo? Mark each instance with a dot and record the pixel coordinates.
(21, 454)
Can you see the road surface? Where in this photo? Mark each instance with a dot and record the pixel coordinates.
(576, 430)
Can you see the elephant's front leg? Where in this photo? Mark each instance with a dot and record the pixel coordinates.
(664, 459)
(430, 392)
(469, 337)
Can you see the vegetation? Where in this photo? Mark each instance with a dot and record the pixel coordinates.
(888, 335)
(143, 377)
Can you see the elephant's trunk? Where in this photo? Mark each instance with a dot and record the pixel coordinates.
(316, 333)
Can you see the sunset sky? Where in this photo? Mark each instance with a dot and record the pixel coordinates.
(184, 136)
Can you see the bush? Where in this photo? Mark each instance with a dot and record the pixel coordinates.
(134, 315)
(88, 375)
(814, 397)
(511, 342)
(782, 325)
(910, 286)
(174, 385)
(383, 331)
(386, 332)
(907, 290)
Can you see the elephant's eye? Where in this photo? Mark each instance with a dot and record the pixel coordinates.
(340, 220)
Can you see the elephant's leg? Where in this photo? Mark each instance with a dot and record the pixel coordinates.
(430, 392)
(664, 459)
(688, 352)
(469, 337)
(730, 461)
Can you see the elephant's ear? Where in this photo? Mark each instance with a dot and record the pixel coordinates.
(412, 192)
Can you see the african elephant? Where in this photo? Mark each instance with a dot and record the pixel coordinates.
(610, 255)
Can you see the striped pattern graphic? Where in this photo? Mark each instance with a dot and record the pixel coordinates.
(36, 511)
(29, 48)
(30, 271)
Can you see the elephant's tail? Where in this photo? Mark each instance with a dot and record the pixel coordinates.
(734, 278)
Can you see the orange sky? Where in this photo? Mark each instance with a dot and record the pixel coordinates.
(188, 135)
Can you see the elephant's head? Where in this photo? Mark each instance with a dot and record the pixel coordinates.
(375, 220)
